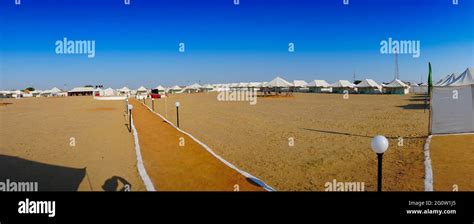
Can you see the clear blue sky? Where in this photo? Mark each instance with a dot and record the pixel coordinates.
(138, 44)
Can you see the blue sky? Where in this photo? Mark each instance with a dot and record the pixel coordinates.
(137, 44)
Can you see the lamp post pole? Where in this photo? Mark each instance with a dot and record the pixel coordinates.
(177, 113)
(379, 175)
(379, 145)
(153, 104)
(130, 107)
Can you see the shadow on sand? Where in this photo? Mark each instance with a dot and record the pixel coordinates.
(113, 183)
(49, 177)
(412, 106)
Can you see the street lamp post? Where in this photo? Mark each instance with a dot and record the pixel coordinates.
(177, 113)
(153, 104)
(379, 145)
(130, 107)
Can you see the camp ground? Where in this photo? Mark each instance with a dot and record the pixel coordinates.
(194, 141)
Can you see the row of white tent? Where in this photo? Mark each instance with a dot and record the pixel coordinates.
(452, 103)
(36, 93)
(365, 86)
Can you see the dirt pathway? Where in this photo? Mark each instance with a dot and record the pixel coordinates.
(175, 162)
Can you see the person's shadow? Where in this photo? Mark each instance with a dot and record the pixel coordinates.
(112, 184)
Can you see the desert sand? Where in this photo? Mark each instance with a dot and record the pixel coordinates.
(331, 137)
(36, 144)
(175, 162)
(452, 159)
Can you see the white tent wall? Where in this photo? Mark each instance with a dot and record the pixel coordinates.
(419, 89)
(449, 115)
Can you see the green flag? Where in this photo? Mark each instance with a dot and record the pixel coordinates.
(430, 79)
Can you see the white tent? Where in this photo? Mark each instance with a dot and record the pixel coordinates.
(279, 83)
(159, 89)
(55, 90)
(254, 84)
(124, 91)
(141, 92)
(194, 88)
(109, 92)
(319, 86)
(174, 89)
(419, 89)
(396, 87)
(452, 106)
(464, 78)
(300, 86)
(207, 88)
(448, 79)
(342, 85)
(369, 86)
(98, 92)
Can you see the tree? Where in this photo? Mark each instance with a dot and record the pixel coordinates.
(30, 89)
(88, 86)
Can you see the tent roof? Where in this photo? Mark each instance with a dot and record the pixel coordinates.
(55, 90)
(279, 82)
(368, 83)
(124, 89)
(81, 89)
(208, 86)
(318, 83)
(194, 86)
(463, 79)
(175, 88)
(300, 83)
(448, 79)
(160, 87)
(396, 83)
(243, 84)
(255, 84)
(142, 89)
(343, 83)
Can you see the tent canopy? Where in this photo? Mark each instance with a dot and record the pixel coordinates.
(124, 89)
(279, 82)
(342, 84)
(396, 83)
(453, 113)
(194, 86)
(300, 83)
(318, 83)
(142, 89)
(160, 88)
(463, 79)
(367, 83)
(175, 88)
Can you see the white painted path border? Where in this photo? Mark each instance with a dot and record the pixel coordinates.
(247, 175)
(428, 168)
(141, 167)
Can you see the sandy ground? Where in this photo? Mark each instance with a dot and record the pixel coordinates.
(331, 137)
(35, 144)
(175, 162)
(452, 158)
